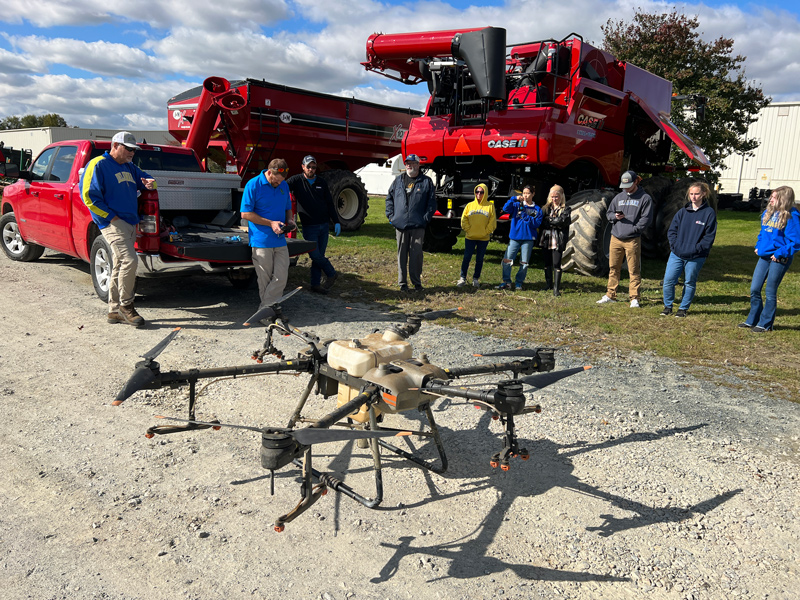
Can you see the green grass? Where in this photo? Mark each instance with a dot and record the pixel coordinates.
(708, 341)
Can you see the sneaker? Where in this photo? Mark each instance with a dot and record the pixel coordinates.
(129, 315)
(404, 288)
(504, 286)
(635, 303)
(476, 283)
(667, 311)
(461, 282)
(681, 313)
(758, 329)
(318, 289)
(113, 317)
(418, 288)
(518, 287)
(330, 281)
(744, 326)
(605, 300)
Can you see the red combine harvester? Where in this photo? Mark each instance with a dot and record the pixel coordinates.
(244, 124)
(544, 112)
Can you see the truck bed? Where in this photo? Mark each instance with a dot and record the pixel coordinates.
(198, 242)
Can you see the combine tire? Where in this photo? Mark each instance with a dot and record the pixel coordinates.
(659, 189)
(439, 237)
(589, 236)
(349, 197)
(13, 245)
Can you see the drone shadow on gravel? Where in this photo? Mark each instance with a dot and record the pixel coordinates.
(554, 468)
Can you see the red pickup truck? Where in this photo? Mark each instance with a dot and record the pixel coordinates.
(190, 223)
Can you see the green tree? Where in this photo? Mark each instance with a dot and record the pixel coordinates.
(29, 121)
(669, 45)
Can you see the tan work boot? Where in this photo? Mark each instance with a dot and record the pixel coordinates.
(129, 315)
(113, 317)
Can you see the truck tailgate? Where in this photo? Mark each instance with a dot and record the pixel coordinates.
(226, 245)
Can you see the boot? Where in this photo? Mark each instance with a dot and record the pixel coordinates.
(557, 283)
(548, 279)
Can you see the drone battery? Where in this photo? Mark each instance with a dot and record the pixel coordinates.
(327, 386)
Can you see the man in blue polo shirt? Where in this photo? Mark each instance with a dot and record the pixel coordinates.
(267, 208)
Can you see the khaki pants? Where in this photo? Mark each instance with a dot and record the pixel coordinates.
(619, 250)
(272, 270)
(121, 236)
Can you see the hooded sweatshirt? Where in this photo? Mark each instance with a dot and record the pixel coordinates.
(780, 243)
(692, 232)
(478, 219)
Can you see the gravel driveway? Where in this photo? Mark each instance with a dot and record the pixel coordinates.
(644, 481)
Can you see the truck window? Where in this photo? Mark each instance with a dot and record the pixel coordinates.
(62, 165)
(159, 160)
(39, 168)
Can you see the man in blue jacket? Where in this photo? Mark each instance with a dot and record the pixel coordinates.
(410, 204)
(109, 187)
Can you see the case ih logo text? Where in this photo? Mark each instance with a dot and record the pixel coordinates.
(587, 121)
(508, 143)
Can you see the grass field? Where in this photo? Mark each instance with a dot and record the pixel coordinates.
(707, 341)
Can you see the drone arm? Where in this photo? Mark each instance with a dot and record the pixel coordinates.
(368, 395)
(516, 366)
(461, 392)
(301, 365)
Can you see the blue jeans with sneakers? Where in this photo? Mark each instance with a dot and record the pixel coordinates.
(767, 270)
(691, 269)
(478, 248)
(524, 247)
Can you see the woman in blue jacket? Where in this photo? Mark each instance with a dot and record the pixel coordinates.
(690, 235)
(778, 242)
(525, 220)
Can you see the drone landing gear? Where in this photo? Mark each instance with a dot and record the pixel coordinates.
(433, 433)
(511, 448)
(166, 429)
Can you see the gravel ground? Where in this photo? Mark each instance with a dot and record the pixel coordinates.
(644, 481)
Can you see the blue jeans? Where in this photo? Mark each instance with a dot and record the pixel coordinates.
(319, 263)
(478, 248)
(524, 247)
(763, 314)
(675, 266)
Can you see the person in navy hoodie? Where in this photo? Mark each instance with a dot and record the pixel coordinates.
(525, 220)
(690, 236)
(778, 242)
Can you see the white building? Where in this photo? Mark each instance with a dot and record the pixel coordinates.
(36, 138)
(776, 161)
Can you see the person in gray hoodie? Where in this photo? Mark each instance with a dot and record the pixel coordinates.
(629, 213)
(691, 235)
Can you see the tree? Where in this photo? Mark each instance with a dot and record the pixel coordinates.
(668, 45)
(30, 121)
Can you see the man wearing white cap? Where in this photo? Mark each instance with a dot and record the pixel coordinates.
(410, 204)
(109, 187)
(629, 213)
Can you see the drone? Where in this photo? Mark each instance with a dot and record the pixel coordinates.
(370, 377)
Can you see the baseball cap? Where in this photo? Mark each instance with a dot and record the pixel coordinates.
(411, 158)
(126, 139)
(309, 159)
(628, 179)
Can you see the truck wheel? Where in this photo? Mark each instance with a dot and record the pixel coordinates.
(241, 279)
(349, 197)
(101, 262)
(589, 236)
(439, 237)
(13, 245)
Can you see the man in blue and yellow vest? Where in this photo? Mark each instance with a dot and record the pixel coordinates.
(109, 187)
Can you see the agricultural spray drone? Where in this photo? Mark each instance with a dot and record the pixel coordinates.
(370, 377)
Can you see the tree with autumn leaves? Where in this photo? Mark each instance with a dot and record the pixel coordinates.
(670, 46)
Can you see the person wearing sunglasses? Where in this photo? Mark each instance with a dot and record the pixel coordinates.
(109, 187)
(267, 208)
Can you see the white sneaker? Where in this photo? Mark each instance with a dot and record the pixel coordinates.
(605, 300)
(635, 303)
(476, 283)
(461, 282)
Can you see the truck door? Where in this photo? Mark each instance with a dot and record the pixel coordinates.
(54, 191)
(27, 208)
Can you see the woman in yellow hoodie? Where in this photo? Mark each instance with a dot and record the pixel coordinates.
(478, 221)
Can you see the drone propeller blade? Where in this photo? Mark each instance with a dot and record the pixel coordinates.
(542, 380)
(529, 352)
(159, 347)
(437, 314)
(142, 378)
(210, 423)
(311, 435)
(268, 311)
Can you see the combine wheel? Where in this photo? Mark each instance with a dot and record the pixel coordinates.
(589, 236)
(349, 197)
(13, 245)
(659, 189)
(439, 237)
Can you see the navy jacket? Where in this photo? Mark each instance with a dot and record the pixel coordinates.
(410, 204)
(692, 232)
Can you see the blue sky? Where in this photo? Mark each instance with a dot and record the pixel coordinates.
(114, 64)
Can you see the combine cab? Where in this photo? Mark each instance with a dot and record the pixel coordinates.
(245, 124)
(544, 112)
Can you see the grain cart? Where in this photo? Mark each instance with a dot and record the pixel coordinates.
(244, 124)
(544, 112)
